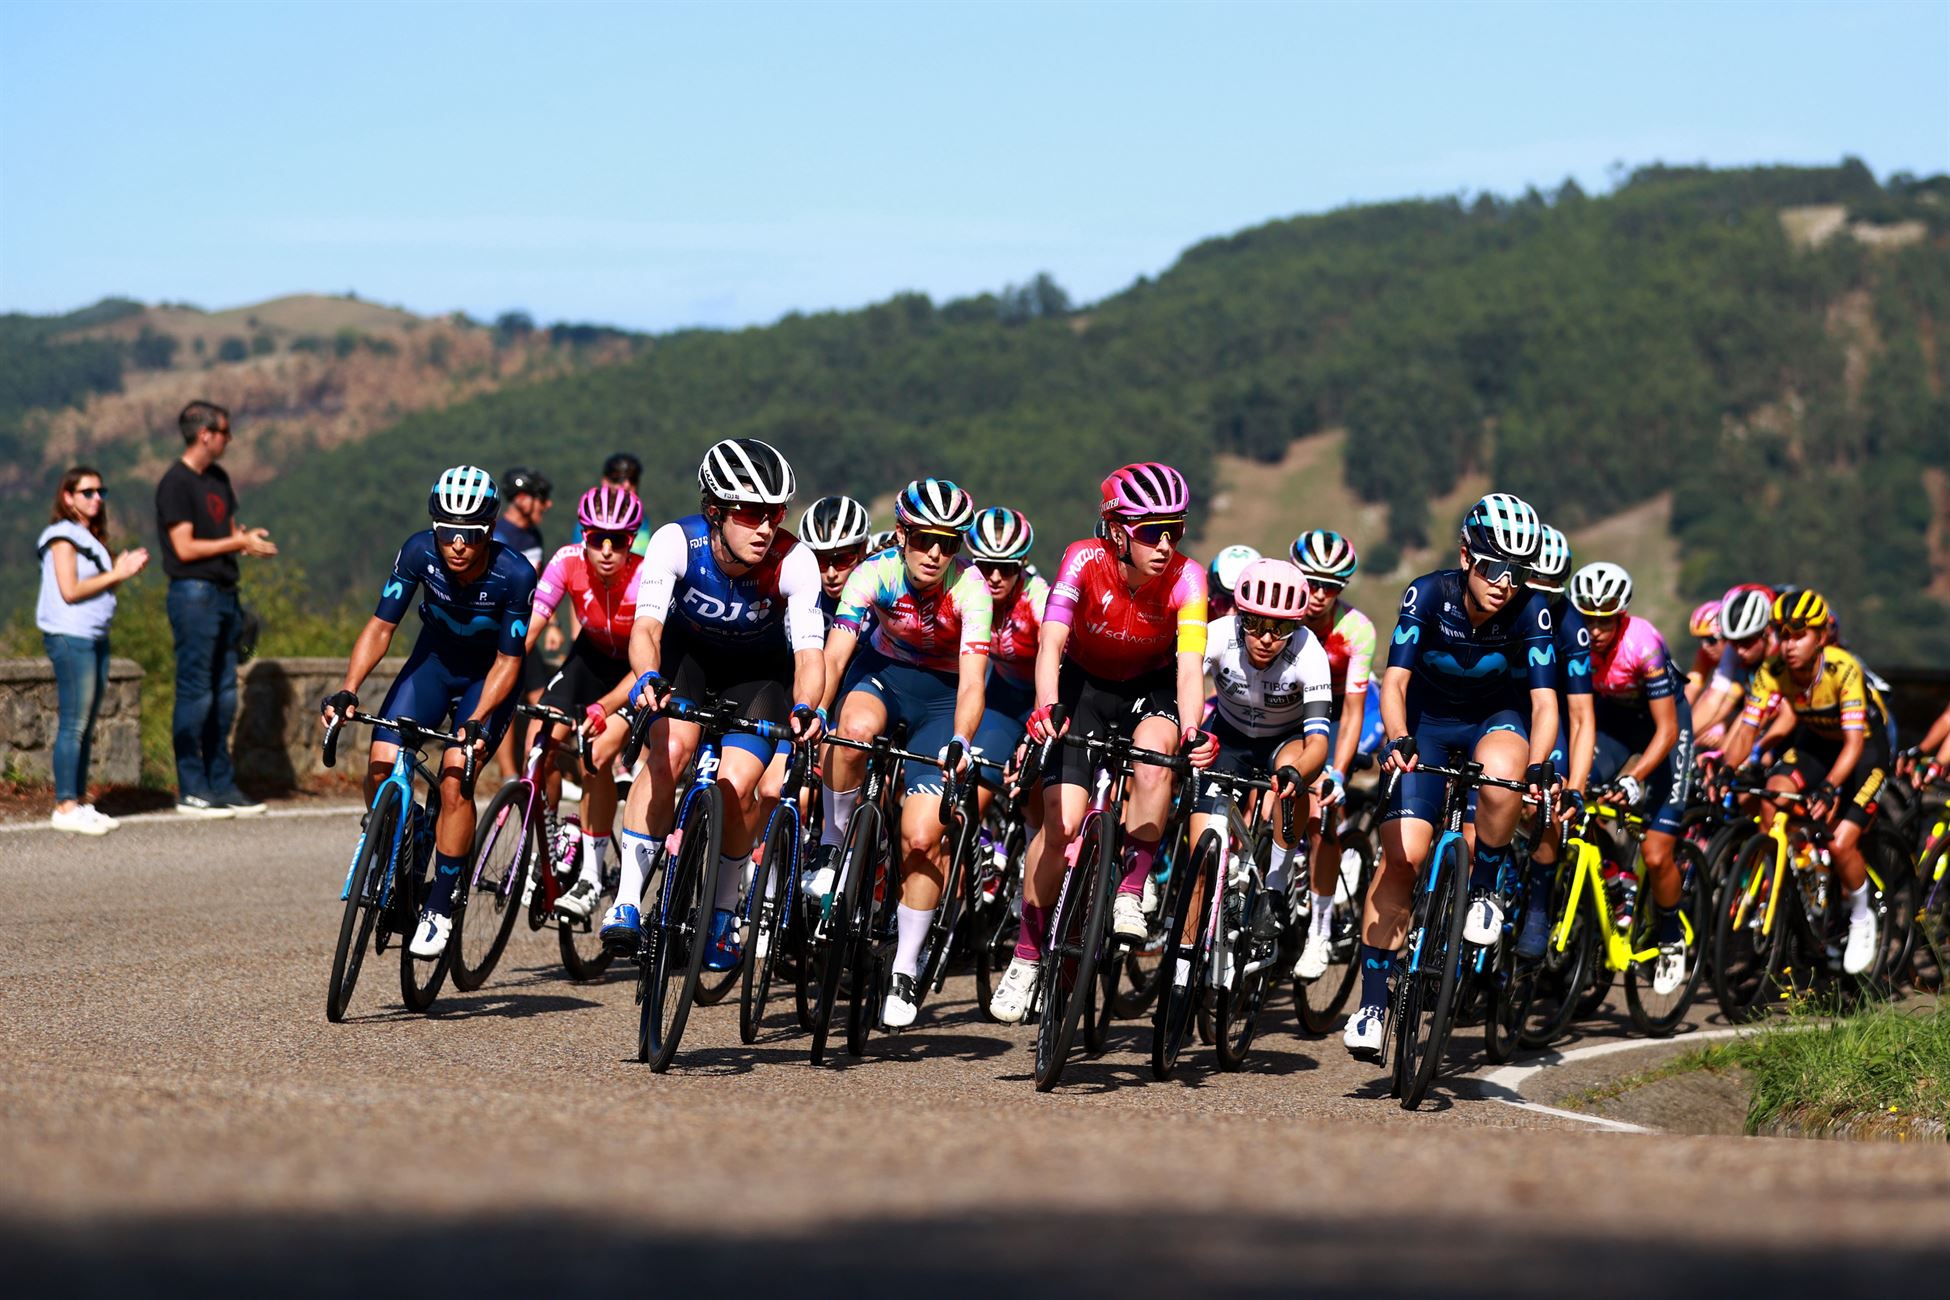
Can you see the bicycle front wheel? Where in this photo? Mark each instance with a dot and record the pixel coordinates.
(1187, 949)
(1749, 954)
(421, 978)
(681, 933)
(773, 900)
(1076, 941)
(506, 848)
(1435, 973)
(996, 915)
(363, 889)
(857, 863)
(1320, 1002)
(1654, 1013)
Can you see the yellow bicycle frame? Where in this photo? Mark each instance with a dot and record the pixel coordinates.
(1582, 859)
(1777, 832)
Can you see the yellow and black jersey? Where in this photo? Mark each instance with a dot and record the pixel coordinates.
(1838, 700)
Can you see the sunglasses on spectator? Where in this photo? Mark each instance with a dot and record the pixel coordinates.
(1261, 625)
(844, 558)
(1495, 571)
(755, 516)
(1155, 532)
(999, 568)
(472, 534)
(91, 493)
(615, 538)
(927, 539)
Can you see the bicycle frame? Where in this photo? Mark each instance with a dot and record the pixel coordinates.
(534, 776)
(406, 763)
(1584, 861)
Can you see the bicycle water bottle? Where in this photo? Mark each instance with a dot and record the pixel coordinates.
(1622, 888)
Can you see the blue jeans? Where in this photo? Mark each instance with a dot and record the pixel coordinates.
(80, 678)
(203, 617)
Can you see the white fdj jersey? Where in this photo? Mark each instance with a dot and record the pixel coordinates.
(1294, 693)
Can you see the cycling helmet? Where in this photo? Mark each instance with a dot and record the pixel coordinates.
(1145, 490)
(1601, 590)
(999, 533)
(747, 471)
(834, 523)
(1502, 527)
(609, 508)
(1228, 564)
(464, 494)
(1801, 608)
(1325, 556)
(1705, 621)
(1745, 612)
(880, 541)
(1553, 560)
(625, 466)
(1272, 588)
(934, 503)
(521, 479)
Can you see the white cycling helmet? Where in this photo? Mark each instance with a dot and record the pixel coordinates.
(464, 494)
(1601, 590)
(1553, 561)
(746, 471)
(1746, 612)
(1502, 527)
(1228, 564)
(835, 523)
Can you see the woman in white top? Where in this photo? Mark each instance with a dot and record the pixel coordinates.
(77, 601)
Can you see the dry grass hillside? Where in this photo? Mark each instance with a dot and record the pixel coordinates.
(283, 320)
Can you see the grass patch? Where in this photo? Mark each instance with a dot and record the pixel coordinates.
(1886, 1061)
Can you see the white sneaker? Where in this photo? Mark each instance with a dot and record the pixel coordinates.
(1313, 958)
(76, 821)
(1669, 971)
(1363, 1033)
(902, 1004)
(578, 902)
(1127, 920)
(1483, 924)
(1016, 992)
(1860, 952)
(430, 940)
(102, 817)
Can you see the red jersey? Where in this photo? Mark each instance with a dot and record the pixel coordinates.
(1118, 633)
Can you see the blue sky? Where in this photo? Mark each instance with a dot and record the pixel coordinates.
(664, 165)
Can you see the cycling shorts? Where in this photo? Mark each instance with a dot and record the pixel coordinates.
(1239, 755)
(1667, 789)
(1808, 766)
(1005, 716)
(431, 691)
(1101, 706)
(921, 698)
(1418, 795)
(758, 684)
(586, 675)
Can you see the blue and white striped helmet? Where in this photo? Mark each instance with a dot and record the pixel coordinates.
(999, 533)
(934, 503)
(1503, 527)
(464, 494)
(1553, 561)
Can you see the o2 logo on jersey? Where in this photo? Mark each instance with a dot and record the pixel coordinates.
(716, 609)
(1409, 595)
(1544, 618)
(1584, 638)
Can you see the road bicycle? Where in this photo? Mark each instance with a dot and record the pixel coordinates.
(1320, 1002)
(1933, 911)
(524, 860)
(387, 883)
(773, 918)
(1079, 943)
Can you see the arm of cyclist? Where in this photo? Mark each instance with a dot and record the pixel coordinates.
(1199, 745)
(1394, 718)
(1050, 640)
(1665, 734)
(805, 632)
(370, 647)
(1543, 736)
(971, 693)
(1581, 747)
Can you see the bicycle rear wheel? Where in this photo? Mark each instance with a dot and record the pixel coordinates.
(1562, 975)
(1181, 986)
(996, 921)
(581, 943)
(1077, 935)
(856, 863)
(773, 900)
(1435, 973)
(421, 978)
(363, 888)
(671, 967)
(1931, 956)
(1748, 962)
(873, 940)
(506, 848)
(1653, 1013)
(1320, 1002)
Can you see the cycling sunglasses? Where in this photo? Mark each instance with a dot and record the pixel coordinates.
(1261, 625)
(1326, 584)
(928, 539)
(999, 568)
(448, 534)
(92, 493)
(844, 558)
(755, 516)
(1155, 532)
(616, 538)
(1495, 571)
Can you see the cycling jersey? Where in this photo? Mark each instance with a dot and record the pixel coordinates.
(1636, 670)
(928, 629)
(1015, 631)
(1464, 670)
(527, 542)
(1119, 634)
(1837, 701)
(1291, 694)
(1350, 652)
(468, 624)
(773, 605)
(1625, 679)
(606, 612)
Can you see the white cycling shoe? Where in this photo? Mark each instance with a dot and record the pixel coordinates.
(1483, 923)
(1017, 991)
(1669, 971)
(1363, 1033)
(430, 940)
(1859, 953)
(903, 1003)
(1150, 897)
(1127, 918)
(1313, 958)
(578, 902)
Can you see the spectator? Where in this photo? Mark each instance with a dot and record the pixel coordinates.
(77, 602)
(196, 513)
(625, 470)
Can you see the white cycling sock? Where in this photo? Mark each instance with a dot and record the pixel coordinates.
(731, 880)
(639, 853)
(595, 848)
(1858, 903)
(913, 923)
(839, 811)
(1276, 869)
(1321, 924)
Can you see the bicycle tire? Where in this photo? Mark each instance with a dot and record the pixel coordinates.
(1446, 919)
(715, 986)
(1319, 1003)
(421, 978)
(861, 834)
(1653, 1014)
(583, 955)
(494, 887)
(1143, 966)
(871, 940)
(1067, 985)
(997, 921)
(774, 903)
(361, 912)
(1930, 953)
(1559, 985)
(1747, 965)
(683, 931)
(1180, 989)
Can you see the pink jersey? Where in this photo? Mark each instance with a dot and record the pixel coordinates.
(1016, 630)
(607, 613)
(1636, 668)
(1118, 633)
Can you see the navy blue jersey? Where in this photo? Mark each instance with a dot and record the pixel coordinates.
(1460, 670)
(774, 605)
(526, 542)
(476, 621)
(1573, 651)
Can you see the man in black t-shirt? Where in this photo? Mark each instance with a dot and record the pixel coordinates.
(196, 514)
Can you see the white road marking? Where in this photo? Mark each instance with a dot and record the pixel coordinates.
(171, 817)
(1511, 1078)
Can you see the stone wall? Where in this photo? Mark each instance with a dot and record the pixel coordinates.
(30, 713)
(275, 741)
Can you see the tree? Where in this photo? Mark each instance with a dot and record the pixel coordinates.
(232, 348)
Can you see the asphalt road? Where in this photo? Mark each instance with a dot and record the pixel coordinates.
(176, 1115)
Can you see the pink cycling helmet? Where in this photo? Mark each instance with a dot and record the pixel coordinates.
(1145, 490)
(609, 508)
(1272, 589)
(1705, 621)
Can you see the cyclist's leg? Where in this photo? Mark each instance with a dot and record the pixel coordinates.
(1407, 831)
(1156, 728)
(865, 703)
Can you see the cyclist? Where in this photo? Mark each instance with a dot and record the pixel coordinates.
(1577, 730)
(1931, 757)
(1746, 638)
(1469, 645)
(836, 530)
(1704, 624)
(1638, 697)
(1328, 561)
(600, 578)
(1225, 569)
(925, 664)
(527, 496)
(1121, 648)
(1838, 746)
(728, 605)
(465, 663)
(1275, 691)
(998, 543)
(623, 469)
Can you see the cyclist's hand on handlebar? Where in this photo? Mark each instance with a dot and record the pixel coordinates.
(1630, 791)
(338, 706)
(473, 733)
(1398, 755)
(594, 720)
(1824, 801)
(953, 757)
(1047, 722)
(1331, 788)
(806, 724)
(1541, 777)
(1201, 746)
(650, 689)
